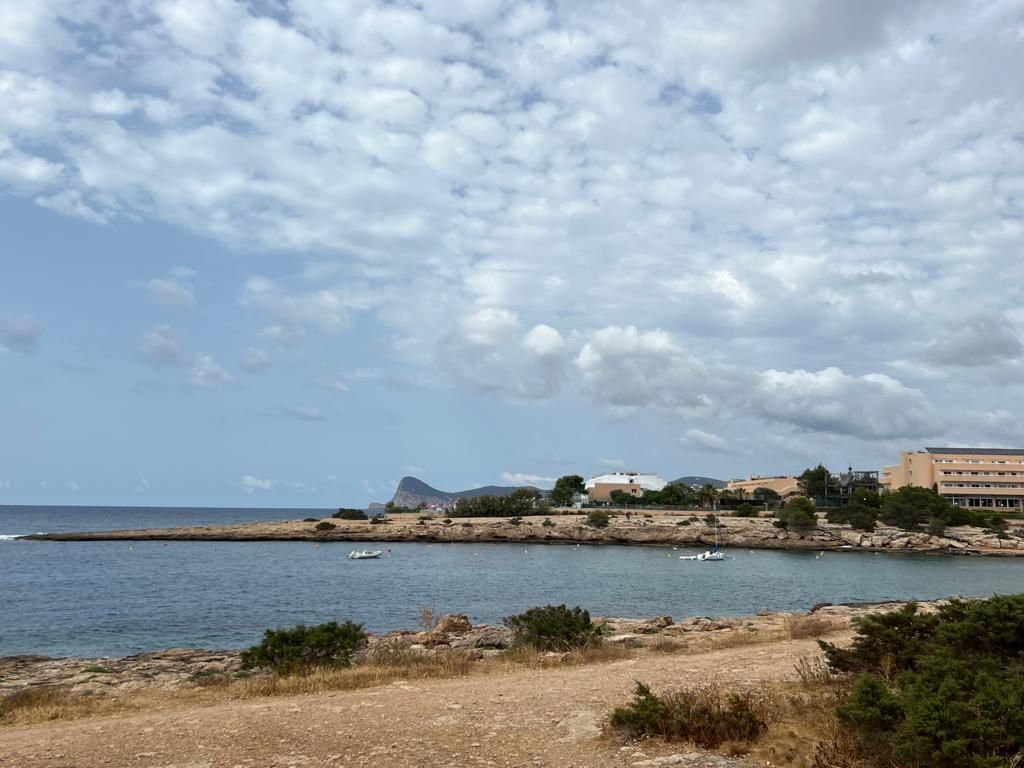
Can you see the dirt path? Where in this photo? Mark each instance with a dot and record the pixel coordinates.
(533, 718)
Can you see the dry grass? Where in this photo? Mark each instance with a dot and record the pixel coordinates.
(665, 644)
(51, 702)
(708, 642)
(598, 653)
(804, 627)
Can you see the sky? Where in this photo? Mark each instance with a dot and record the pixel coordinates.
(284, 252)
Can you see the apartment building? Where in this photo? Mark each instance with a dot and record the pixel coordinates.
(600, 488)
(968, 477)
(784, 485)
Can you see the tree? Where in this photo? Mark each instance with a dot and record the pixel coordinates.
(621, 498)
(867, 497)
(676, 495)
(815, 482)
(708, 494)
(798, 515)
(566, 488)
(911, 506)
(765, 494)
(858, 516)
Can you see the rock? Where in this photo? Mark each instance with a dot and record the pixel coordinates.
(483, 637)
(453, 624)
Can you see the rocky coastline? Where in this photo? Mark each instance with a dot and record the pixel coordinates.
(679, 529)
(185, 668)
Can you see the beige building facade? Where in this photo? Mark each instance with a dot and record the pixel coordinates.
(968, 477)
(784, 485)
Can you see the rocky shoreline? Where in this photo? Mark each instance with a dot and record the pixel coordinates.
(658, 529)
(183, 668)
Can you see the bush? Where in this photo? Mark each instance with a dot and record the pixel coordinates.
(942, 690)
(710, 520)
(548, 523)
(797, 515)
(553, 628)
(911, 506)
(377, 520)
(286, 651)
(858, 516)
(310, 519)
(705, 716)
(349, 514)
(745, 510)
(325, 526)
(598, 518)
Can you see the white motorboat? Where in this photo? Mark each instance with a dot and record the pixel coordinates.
(365, 554)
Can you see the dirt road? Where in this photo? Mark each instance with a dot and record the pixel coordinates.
(532, 718)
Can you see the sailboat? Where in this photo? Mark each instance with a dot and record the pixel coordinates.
(712, 555)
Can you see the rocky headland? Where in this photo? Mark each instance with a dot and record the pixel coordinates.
(679, 529)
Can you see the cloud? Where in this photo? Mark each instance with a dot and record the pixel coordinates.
(705, 440)
(974, 342)
(162, 347)
(256, 360)
(174, 290)
(298, 413)
(524, 478)
(614, 463)
(873, 406)
(252, 484)
(20, 334)
(206, 372)
(293, 313)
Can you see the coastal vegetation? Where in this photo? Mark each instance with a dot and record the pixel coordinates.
(706, 716)
(598, 518)
(349, 514)
(944, 690)
(302, 648)
(565, 490)
(797, 515)
(553, 628)
(519, 503)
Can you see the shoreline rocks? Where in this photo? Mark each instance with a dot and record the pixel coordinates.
(178, 668)
(660, 529)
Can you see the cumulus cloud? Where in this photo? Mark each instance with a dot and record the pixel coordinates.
(525, 478)
(206, 372)
(251, 484)
(175, 289)
(706, 440)
(163, 347)
(873, 406)
(660, 202)
(20, 334)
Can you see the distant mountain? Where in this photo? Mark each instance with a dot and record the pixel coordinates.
(412, 492)
(696, 481)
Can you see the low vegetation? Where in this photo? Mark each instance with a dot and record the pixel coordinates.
(598, 518)
(287, 651)
(554, 628)
(706, 716)
(349, 514)
(944, 690)
(521, 502)
(324, 526)
(797, 515)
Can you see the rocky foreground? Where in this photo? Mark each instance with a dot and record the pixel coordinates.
(179, 668)
(657, 529)
(510, 716)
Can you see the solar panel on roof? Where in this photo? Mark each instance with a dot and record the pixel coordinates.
(979, 451)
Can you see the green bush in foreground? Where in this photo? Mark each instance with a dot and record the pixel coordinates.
(706, 716)
(745, 510)
(598, 518)
(554, 628)
(287, 651)
(325, 526)
(943, 690)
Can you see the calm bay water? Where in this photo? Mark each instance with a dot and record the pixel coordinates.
(117, 598)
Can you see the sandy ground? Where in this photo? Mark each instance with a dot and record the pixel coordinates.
(535, 718)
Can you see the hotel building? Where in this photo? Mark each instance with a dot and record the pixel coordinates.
(968, 477)
(599, 489)
(784, 485)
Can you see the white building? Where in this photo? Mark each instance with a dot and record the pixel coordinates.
(599, 489)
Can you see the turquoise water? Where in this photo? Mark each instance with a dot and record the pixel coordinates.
(117, 598)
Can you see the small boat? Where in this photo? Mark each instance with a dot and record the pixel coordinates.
(712, 555)
(365, 554)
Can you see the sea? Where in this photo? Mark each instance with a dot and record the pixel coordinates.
(117, 598)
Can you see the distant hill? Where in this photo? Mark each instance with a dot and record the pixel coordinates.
(412, 492)
(696, 481)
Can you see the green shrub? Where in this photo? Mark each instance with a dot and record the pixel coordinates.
(858, 516)
(683, 522)
(350, 514)
(310, 519)
(797, 515)
(710, 520)
(377, 520)
(745, 510)
(706, 716)
(997, 523)
(598, 518)
(286, 651)
(548, 523)
(553, 628)
(325, 526)
(943, 690)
